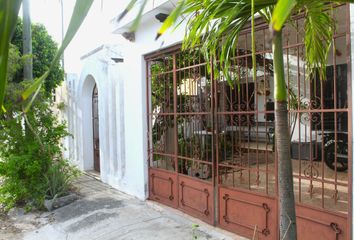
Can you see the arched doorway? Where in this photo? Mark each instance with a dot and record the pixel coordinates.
(95, 126)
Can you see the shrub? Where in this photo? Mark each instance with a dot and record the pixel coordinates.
(31, 162)
(58, 179)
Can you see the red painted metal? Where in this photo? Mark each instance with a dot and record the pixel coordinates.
(350, 120)
(246, 213)
(196, 198)
(163, 187)
(211, 145)
(313, 222)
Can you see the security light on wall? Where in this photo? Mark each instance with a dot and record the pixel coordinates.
(117, 60)
(161, 17)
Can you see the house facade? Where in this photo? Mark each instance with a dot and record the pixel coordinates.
(164, 124)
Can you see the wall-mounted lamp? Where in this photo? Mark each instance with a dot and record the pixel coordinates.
(117, 60)
(161, 17)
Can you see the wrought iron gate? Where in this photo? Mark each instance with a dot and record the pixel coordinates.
(211, 144)
(181, 133)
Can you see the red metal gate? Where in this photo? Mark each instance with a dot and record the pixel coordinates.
(181, 133)
(212, 144)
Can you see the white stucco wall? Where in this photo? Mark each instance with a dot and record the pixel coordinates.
(133, 73)
(122, 109)
(120, 120)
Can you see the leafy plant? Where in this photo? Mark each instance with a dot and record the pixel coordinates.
(194, 230)
(59, 179)
(31, 162)
(44, 50)
(15, 61)
(8, 18)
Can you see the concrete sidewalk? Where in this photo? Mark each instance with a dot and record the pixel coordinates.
(105, 213)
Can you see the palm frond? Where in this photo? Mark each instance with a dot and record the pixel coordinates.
(171, 19)
(137, 20)
(319, 27)
(281, 13)
(215, 26)
(266, 13)
(131, 5)
(128, 8)
(80, 11)
(8, 18)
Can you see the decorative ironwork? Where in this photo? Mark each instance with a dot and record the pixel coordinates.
(152, 184)
(153, 176)
(311, 171)
(182, 196)
(171, 197)
(266, 231)
(206, 211)
(226, 197)
(337, 231)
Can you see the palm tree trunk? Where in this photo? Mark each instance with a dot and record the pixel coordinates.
(287, 217)
(27, 41)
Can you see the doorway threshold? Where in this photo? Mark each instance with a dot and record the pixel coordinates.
(94, 174)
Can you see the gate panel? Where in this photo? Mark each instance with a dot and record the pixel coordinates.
(246, 159)
(245, 213)
(181, 133)
(318, 124)
(196, 198)
(163, 187)
(327, 226)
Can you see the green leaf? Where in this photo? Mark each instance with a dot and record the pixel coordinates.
(34, 86)
(8, 17)
(319, 28)
(171, 19)
(281, 13)
(254, 63)
(80, 11)
(128, 9)
(137, 20)
(32, 99)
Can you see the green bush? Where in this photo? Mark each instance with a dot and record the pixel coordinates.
(44, 49)
(31, 163)
(59, 178)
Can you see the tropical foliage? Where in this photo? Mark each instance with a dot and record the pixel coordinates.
(217, 25)
(8, 17)
(31, 164)
(32, 167)
(29, 158)
(44, 49)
